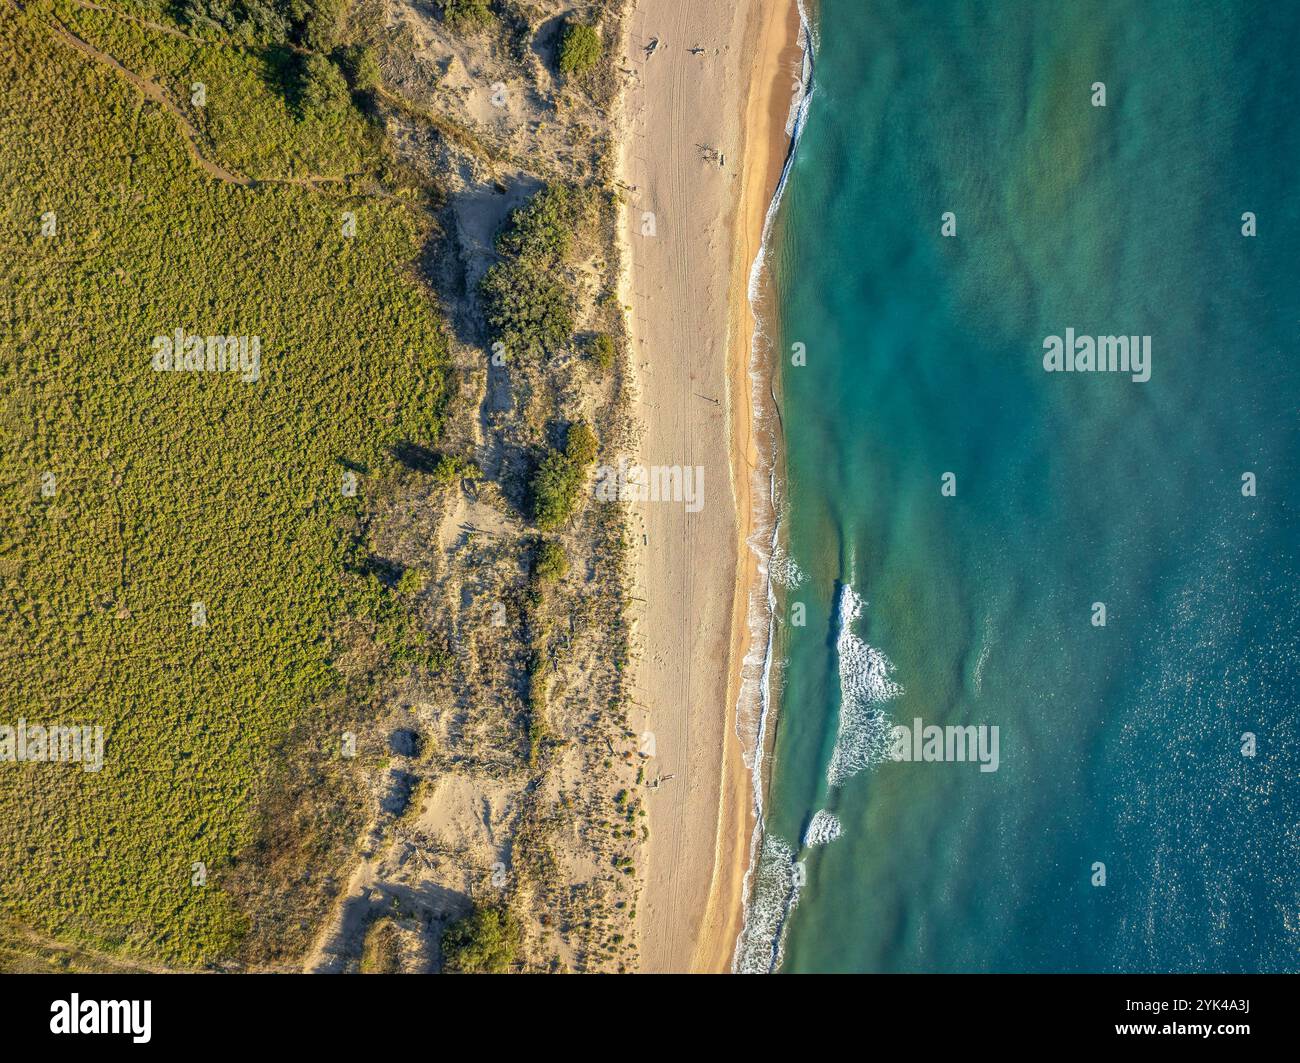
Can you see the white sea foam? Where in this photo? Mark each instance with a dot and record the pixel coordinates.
(778, 879)
(866, 685)
(783, 569)
(762, 923)
(823, 828)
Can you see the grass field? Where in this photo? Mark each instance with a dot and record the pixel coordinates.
(127, 495)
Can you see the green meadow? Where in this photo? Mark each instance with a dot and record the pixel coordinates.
(128, 495)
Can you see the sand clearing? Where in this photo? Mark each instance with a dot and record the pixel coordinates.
(702, 155)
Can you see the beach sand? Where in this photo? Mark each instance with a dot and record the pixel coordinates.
(704, 145)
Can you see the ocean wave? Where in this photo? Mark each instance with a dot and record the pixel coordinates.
(778, 879)
(783, 569)
(866, 684)
(823, 828)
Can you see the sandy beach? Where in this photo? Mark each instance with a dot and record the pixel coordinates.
(705, 113)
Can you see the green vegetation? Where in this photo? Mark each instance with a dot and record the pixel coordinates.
(171, 488)
(580, 49)
(467, 15)
(539, 732)
(528, 305)
(453, 467)
(318, 22)
(412, 581)
(603, 350)
(550, 563)
(246, 20)
(362, 66)
(485, 942)
(324, 88)
(580, 447)
(382, 950)
(559, 476)
(310, 23)
(254, 119)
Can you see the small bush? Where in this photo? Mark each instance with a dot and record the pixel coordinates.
(452, 467)
(580, 447)
(603, 350)
(526, 302)
(362, 64)
(485, 942)
(245, 20)
(542, 228)
(559, 476)
(320, 24)
(528, 309)
(467, 15)
(324, 88)
(382, 951)
(411, 581)
(551, 563)
(580, 49)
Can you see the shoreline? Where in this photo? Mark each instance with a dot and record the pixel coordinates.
(711, 83)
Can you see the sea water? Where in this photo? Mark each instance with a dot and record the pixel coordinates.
(1101, 568)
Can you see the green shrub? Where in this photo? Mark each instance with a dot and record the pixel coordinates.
(603, 350)
(580, 447)
(381, 953)
(324, 88)
(551, 563)
(485, 942)
(580, 49)
(542, 229)
(452, 467)
(555, 490)
(526, 303)
(362, 65)
(320, 23)
(527, 308)
(469, 15)
(411, 581)
(245, 20)
(558, 479)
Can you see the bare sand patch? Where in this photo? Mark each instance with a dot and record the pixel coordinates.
(706, 109)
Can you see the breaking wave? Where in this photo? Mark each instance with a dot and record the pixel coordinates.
(823, 828)
(866, 685)
(777, 880)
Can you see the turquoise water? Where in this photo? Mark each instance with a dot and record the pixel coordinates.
(1119, 745)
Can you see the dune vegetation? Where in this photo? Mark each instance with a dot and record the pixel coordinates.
(182, 553)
